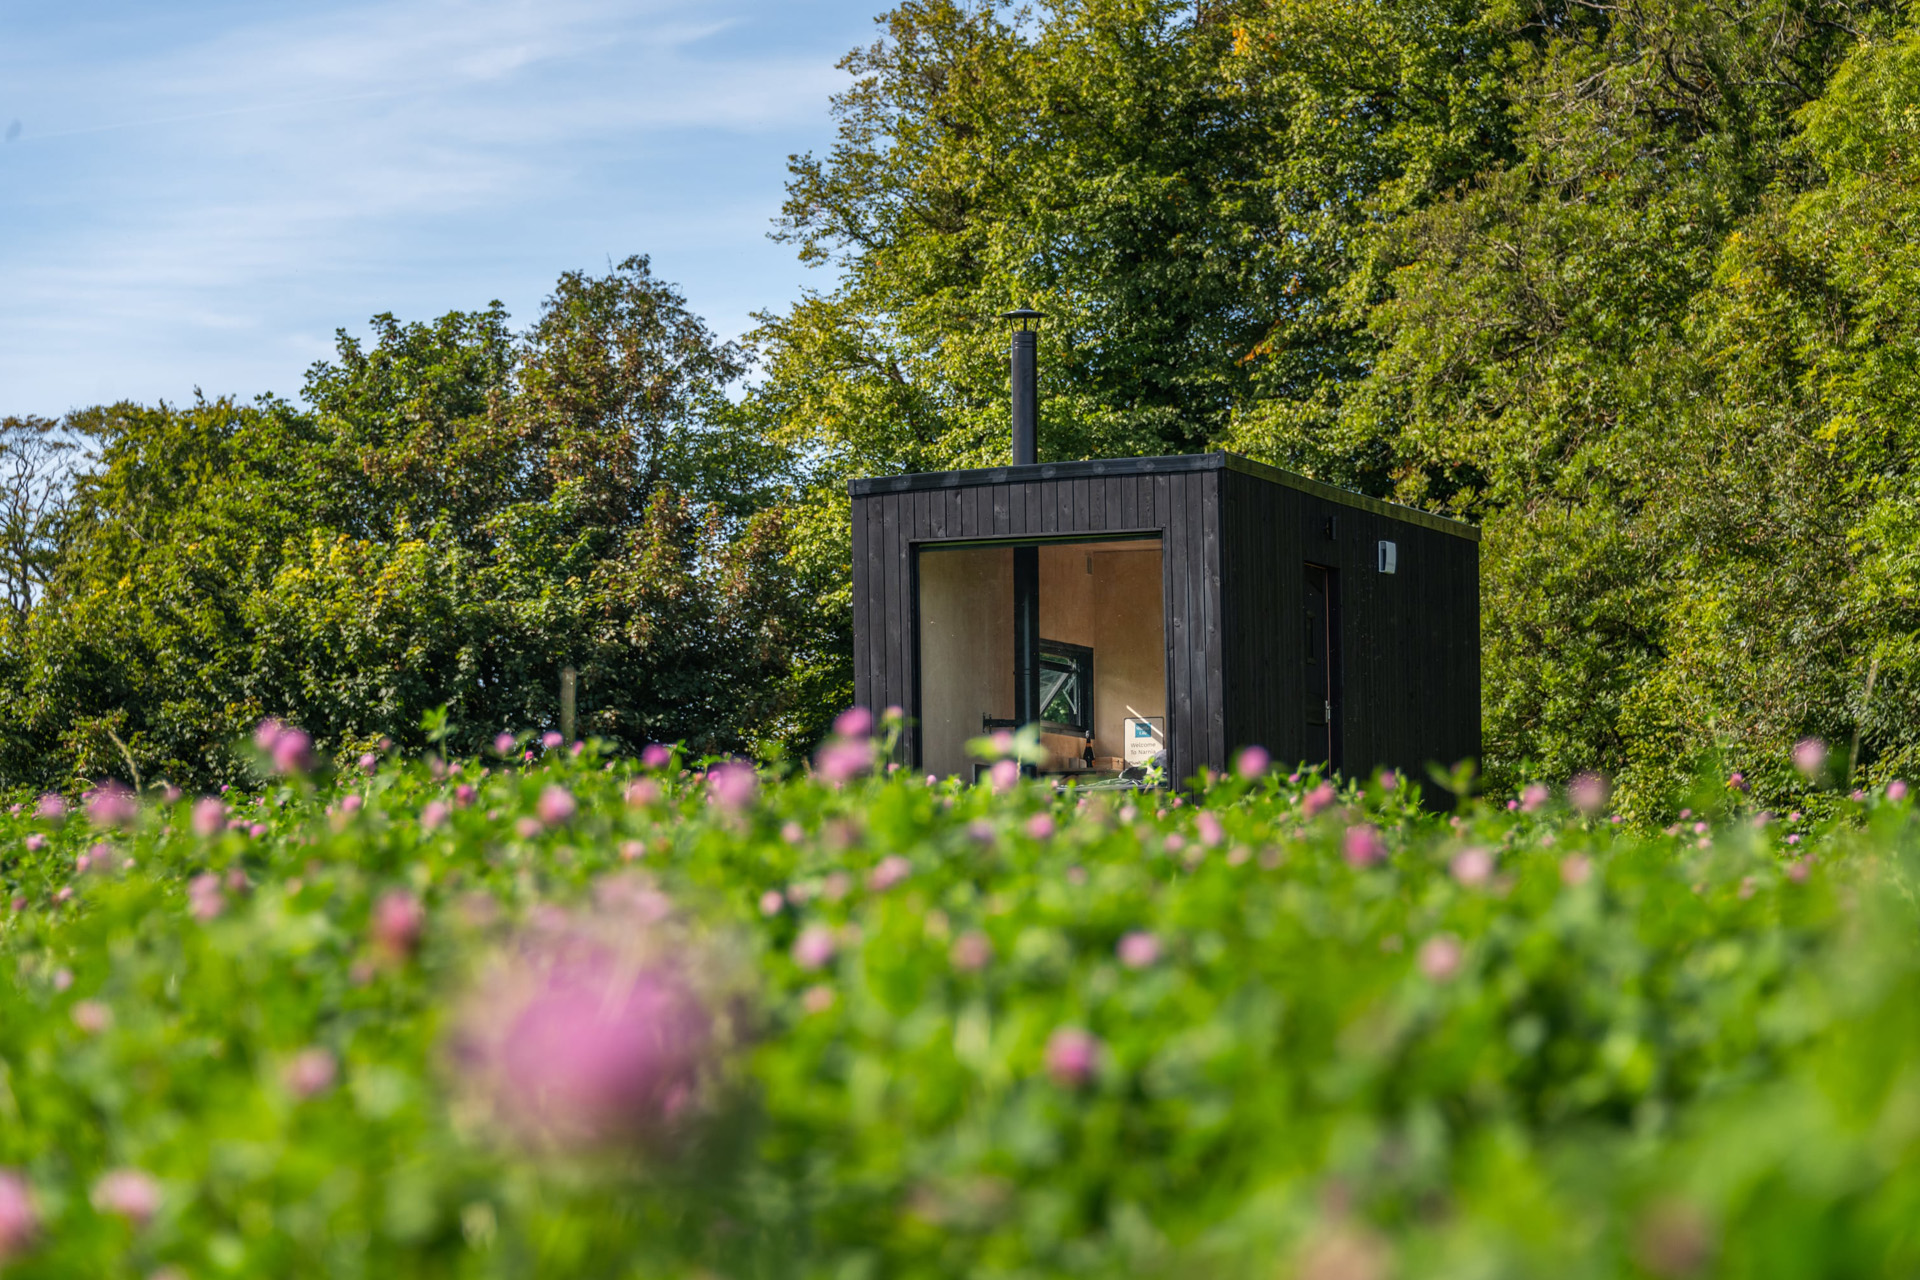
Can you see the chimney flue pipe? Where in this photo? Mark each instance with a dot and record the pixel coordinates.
(1026, 387)
(1026, 560)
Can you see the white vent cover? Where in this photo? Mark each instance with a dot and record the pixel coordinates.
(1389, 557)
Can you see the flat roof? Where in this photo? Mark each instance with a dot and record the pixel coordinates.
(871, 486)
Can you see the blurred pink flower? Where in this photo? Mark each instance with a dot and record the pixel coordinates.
(814, 947)
(1897, 790)
(1040, 826)
(1738, 781)
(1072, 1055)
(92, 1017)
(1212, 834)
(854, 722)
(1004, 775)
(352, 804)
(51, 806)
(1363, 846)
(369, 764)
(1810, 756)
(836, 886)
(575, 1043)
(464, 795)
(204, 898)
(527, 828)
(843, 761)
(1440, 957)
(505, 744)
(656, 755)
(1534, 797)
(310, 1073)
(793, 832)
(642, 792)
(396, 924)
(1138, 950)
(36, 842)
(732, 785)
(550, 740)
(1389, 780)
(128, 1193)
(1252, 762)
(290, 747)
(556, 805)
(1587, 791)
(1001, 741)
(209, 817)
(434, 816)
(1673, 1241)
(112, 805)
(632, 850)
(1797, 871)
(891, 870)
(1472, 867)
(257, 830)
(772, 902)
(972, 952)
(1318, 799)
(818, 999)
(19, 1216)
(1575, 870)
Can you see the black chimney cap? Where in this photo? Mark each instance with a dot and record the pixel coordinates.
(1023, 316)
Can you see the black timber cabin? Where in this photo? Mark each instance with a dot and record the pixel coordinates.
(1189, 605)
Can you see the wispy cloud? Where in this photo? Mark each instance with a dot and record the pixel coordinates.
(218, 199)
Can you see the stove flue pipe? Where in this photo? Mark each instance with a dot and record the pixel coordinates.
(1026, 387)
(1026, 560)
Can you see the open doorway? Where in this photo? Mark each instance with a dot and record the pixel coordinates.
(1101, 653)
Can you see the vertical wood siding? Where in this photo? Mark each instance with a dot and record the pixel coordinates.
(1233, 548)
(1409, 642)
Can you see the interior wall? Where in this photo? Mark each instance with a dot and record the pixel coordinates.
(1106, 596)
(966, 650)
(1130, 645)
(1066, 597)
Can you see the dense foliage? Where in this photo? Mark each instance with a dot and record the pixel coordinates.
(449, 518)
(1627, 285)
(1624, 284)
(557, 1016)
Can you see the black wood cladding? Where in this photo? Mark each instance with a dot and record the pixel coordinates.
(1235, 537)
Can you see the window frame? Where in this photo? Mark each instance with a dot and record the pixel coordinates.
(1082, 658)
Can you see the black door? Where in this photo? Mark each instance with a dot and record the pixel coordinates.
(1322, 686)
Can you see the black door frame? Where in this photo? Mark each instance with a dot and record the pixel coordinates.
(1335, 702)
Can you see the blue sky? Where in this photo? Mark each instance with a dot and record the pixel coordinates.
(199, 192)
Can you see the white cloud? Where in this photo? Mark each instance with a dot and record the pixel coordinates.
(220, 201)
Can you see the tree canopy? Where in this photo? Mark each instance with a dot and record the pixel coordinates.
(1627, 285)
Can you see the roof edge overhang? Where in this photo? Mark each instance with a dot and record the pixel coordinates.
(872, 486)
